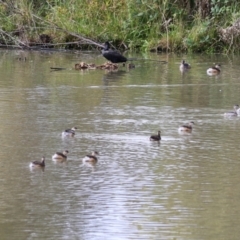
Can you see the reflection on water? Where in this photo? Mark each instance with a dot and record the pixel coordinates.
(113, 76)
(178, 188)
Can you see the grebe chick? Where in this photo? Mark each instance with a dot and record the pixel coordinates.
(60, 156)
(69, 132)
(216, 69)
(233, 113)
(186, 127)
(91, 157)
(38, 164)
(184, 66)
(112, 55)
(156, 137)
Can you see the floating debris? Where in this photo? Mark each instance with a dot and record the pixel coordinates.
(57, 68)
(22, 59)
(108, 66)
(91, 66)
(83, 65)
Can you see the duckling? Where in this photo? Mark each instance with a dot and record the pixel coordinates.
(184, 66)
(156, 137)
(58, 156)
(233, 113)
(186, 127)
(214, 70)
(69, 132)
(92, 158)
(38, 164)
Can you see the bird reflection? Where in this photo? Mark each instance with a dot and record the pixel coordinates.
(113, 76)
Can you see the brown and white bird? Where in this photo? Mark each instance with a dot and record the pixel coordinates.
(38, 164)
(60, 156)
(69, 132)
(92, 158)
(184, 66)
(186, 127)
(214, 70)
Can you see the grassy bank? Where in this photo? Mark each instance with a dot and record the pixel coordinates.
(158, 25)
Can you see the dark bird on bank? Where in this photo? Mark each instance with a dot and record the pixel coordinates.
(112, 55)
(156, 137)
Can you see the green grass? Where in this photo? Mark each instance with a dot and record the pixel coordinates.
(163, 25)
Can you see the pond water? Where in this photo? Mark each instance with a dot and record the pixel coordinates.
(185, 187)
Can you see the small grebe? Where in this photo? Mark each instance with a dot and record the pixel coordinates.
(69, 132)
(184, 66)
(38, 164)
(233, 113)
(186, 127)
(91, 157)
(60, 156)
(216, 69)
(156, 137)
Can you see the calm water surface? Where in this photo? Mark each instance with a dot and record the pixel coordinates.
(186, 187)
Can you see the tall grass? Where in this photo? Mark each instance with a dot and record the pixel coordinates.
(163, 25)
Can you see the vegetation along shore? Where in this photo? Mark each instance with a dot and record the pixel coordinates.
(145, 25)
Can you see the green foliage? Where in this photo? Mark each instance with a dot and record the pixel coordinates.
(223, 10)
(220, 7)
(144, 24)
(199, 37)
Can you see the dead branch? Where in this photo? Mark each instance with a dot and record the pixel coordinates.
(19, 43)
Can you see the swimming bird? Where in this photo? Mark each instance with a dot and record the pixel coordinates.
(60, 156)
(91, 157)
(156, 137)
(38, 164)
(186, 127)
(69, 132)
(184, 66)
(112, 55)
(238, 112)
(214, 70)
(233, 113)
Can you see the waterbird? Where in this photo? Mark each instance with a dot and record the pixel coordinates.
(184, 66)
(186, 127)
(112, 55)
(38, 164)
(91, 157)
(233, 113)
(115, 56)
(60, 156)
(214, 70)
(69, 132)
(156, 137)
